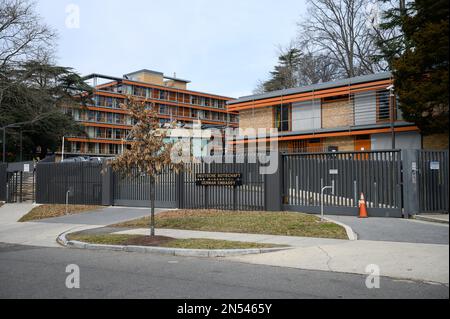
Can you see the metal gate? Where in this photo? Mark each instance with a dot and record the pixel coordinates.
(376, 174)
(135, 191)
(433, 181)
(20, 182)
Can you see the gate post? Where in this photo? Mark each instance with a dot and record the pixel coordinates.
(411, 204)
(179, 187)
(107, 185)
(273, 188)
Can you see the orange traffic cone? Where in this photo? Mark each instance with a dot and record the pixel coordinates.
(362, 207)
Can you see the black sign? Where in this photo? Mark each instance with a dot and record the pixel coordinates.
(218, 179)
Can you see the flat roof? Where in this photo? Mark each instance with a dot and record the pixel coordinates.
(314, 87)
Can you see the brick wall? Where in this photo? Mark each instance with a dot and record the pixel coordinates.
(435, 142)
(337, 114)
(345, 143)
(256, 118)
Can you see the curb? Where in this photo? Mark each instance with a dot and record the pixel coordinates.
(350, 233)
(62, 240)
(430, 219)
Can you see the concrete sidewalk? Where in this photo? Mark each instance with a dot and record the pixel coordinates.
(103, 216)
(396, 229)
(30, 233)
(424, 262)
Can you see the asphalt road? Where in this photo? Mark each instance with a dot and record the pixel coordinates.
(397, 229)
(34, 272)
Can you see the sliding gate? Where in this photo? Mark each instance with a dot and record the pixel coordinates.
(135, 191)
(376, 174)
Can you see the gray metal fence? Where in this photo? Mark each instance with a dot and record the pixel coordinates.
(248, 196)
(376, 174)
(83, 180)
(433, 181)
(296, 186)
(3, 181)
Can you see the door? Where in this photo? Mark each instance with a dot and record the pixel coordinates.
(363, 143)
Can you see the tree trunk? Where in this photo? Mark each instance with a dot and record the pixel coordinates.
(152, 206)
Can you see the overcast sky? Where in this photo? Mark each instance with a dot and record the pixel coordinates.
(223, 47)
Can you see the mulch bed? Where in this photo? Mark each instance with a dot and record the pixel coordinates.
(148, 241)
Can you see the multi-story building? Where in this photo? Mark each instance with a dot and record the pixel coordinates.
(107, 125)
(358, 113)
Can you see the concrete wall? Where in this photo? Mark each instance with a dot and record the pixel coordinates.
(337, 114)
(435, 142)
(403, 140)
(365, 108)
(256, 118)
(306, 115)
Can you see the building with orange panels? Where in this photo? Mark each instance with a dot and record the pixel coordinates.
(354, 114)
(107, 125)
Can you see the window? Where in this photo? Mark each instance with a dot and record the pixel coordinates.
(383, 106)
(91, 116)
(282, 117)
(163, 109)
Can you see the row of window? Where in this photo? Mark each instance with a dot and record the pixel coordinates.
(93, 148)
(98, 117)
(165, 95)
(342, 111)
(176, 111)
(107, 133)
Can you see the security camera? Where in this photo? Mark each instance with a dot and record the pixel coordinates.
(390, 87)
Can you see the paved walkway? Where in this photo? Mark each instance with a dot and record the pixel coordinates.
(30, 233)
(396, 229)
(104, 216)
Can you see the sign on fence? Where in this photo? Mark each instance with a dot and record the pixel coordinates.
(218, 179)
(434, 166)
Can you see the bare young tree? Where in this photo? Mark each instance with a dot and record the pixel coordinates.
(342, 31)
(150, 151)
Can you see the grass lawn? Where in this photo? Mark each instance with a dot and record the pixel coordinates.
(159, 241)
(56, 210)
(272, 223)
